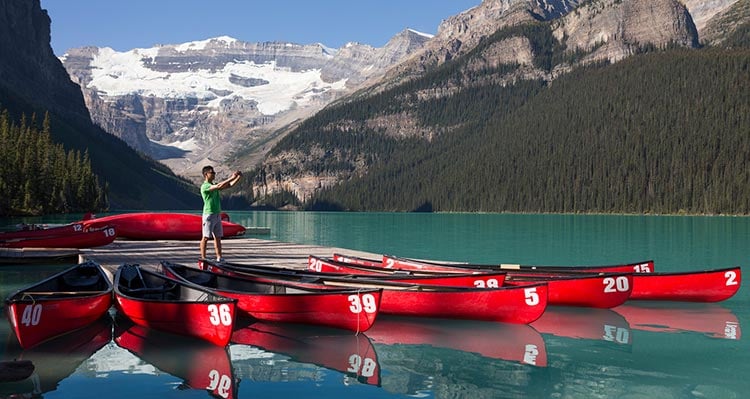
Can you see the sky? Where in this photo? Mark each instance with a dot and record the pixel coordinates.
(128, 24)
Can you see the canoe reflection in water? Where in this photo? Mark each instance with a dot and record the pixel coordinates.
(335, 349)
(200, 364)
(423, 356)
(585, 323)
(56, 359)
(506, 341)
(712, 320)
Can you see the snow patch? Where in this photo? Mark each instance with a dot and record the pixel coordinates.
(202, 44)
(427, 35)
(121, 73)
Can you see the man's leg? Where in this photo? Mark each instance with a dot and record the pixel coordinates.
(217, 247)
(204, 240)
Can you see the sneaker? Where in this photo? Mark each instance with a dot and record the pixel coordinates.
(220, 260)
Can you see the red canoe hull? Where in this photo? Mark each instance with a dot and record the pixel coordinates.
(564, 288)
(52, 231)
(463, 279)
(701, 286)
(586, 290)
(183, 309)
(522, 304)
(161, 226)
(412, 264)
(79, 239)
(284, 303)
(38, 313)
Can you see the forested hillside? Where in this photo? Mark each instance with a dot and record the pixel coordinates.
(665, 131)
(38, 176)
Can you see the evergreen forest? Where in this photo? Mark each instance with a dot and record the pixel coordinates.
(38, 176)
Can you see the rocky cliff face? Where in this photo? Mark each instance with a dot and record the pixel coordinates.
(703, 11)
(724, 22)
(187, 104)
(612, 29)
(32, 70)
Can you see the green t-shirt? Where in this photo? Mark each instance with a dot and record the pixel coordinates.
(211, 199)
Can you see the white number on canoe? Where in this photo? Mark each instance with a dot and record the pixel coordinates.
(619, 284)
(364, 367)
(366, 302)
(731, 277)
(488, 283)
(532, 297)
(389, 263)
(31, 315)
(315, 265)
(530, 354)
(109, 232)
(616, 334)
(219, 383)
(642, 268)
(77, 227)
(220, 314)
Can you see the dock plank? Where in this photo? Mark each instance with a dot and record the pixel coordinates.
(240, 250)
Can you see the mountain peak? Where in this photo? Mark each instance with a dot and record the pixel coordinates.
(221, 42)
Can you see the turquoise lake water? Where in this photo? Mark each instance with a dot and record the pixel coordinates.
(638, 350)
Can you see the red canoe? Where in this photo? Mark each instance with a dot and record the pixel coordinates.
(64, 302)
(522, 304)
(396, 262)
(153, 300)
(87, 238)
(710, 319)
(469, 280)
(161, 225)
(41, 232)
(351, 309)
(351, 354)
(513, 342)
(598, 290)
(200, 365)
(476, 279)
(698, 286)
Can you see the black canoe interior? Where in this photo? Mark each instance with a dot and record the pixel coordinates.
(218, 282)
(83, 279)
(144, 284)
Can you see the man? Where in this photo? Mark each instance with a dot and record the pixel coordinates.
(212, 209)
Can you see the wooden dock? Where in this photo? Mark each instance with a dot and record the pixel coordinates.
(241, 250)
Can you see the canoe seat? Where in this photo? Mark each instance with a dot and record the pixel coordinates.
(201, 279)
(80, 282)
(132, 283)
(85, 276)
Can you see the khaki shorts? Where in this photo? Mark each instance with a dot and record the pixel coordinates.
(212, 226)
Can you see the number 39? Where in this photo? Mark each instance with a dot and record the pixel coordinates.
(367, 302)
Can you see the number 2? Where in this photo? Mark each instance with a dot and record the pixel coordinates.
(731, 277)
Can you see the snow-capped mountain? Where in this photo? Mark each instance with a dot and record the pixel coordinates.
(190, 104)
